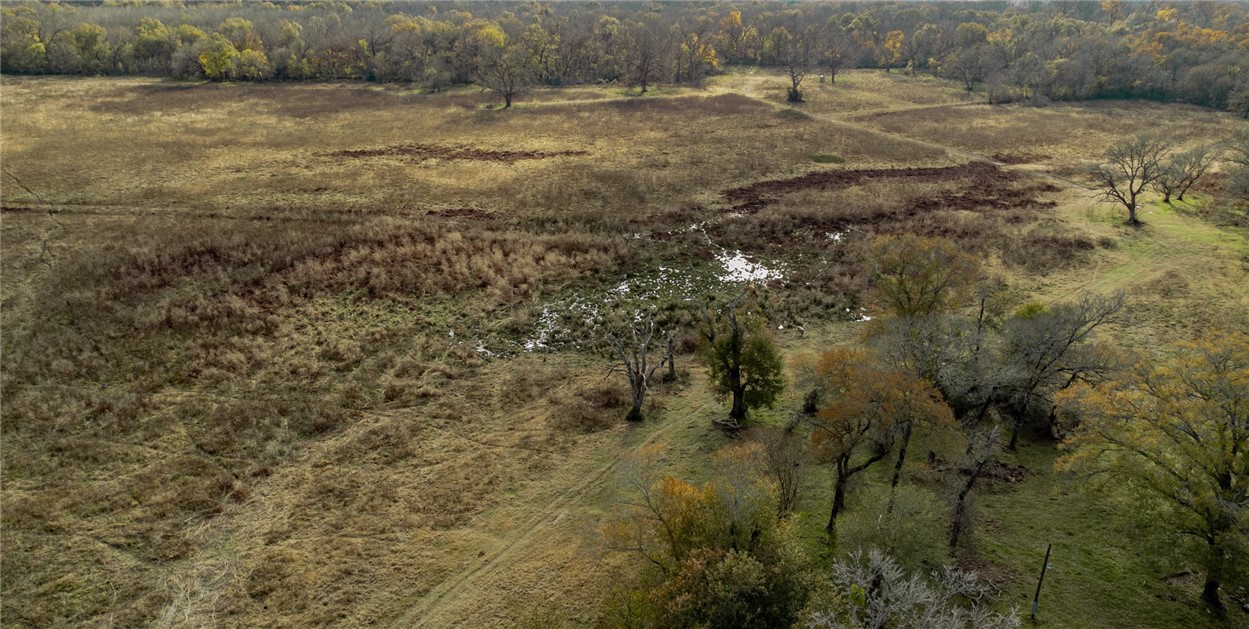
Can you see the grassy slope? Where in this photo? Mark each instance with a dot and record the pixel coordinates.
(471, 505)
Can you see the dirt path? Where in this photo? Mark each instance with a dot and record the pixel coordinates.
(426, 610)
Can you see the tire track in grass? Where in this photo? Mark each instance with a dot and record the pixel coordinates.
(442, 595)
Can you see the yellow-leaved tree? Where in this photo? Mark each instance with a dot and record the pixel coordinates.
(1176, 430)
(718, 555)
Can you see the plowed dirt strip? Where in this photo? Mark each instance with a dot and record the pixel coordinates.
(759, 195)
(422, 152)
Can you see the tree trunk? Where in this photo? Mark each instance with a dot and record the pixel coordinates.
(984, 408)
(635, 413)
(637, 390)
(672, 360)
(1014, 435)
(960, 506)
(507, 101)
(1132, 215)
(897, 467)
(839, 496)
(1210, 596)
(738, 412)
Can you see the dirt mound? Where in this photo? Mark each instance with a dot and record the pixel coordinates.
(988, 187)
(423, 152)
(1005, 472)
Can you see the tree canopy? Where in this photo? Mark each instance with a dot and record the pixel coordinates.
(1018, 51)
(1177, 431)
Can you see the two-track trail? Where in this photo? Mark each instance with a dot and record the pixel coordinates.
(437, 607)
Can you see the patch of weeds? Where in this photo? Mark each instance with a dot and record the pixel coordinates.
(827, 158)
(793, 114)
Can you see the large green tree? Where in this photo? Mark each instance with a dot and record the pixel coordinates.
(741, 355)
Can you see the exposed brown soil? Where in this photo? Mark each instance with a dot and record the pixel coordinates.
(987, 188)
(1019, 158)
(997, 575)
(423, 152)
(1001, 476)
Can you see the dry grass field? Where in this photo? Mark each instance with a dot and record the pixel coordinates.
(265, 346)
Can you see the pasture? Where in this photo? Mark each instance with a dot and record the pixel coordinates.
(291, 355)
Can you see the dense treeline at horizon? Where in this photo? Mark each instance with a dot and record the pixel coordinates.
(1194, 52)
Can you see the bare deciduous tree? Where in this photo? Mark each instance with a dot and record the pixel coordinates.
(646, 50)
(631, 336)
(781, 461)
(969, 66)
(981, 451)
(791, 49)
(506, 71)
(1182, 170)
(1130, 167)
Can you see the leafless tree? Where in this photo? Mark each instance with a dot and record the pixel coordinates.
(791, 49)
(645, 53)
(631, 336)
(836, 50)
(981, 451)
(507, 71)
(969, 66)
(1182, 170)
(781, 461)
(1130, 167)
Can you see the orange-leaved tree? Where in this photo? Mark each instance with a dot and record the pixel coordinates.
(868, 408)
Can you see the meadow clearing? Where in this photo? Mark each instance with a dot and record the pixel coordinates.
(288, 355)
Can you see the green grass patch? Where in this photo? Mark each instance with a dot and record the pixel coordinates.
(1101, 574)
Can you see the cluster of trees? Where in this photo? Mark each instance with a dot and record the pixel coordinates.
(1194, 52)
(950, 367)
(935, 369)
(720, 555)
(1148, 161)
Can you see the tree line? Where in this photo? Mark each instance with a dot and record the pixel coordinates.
(1194, 52)
(949, 369)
